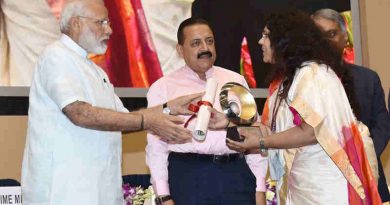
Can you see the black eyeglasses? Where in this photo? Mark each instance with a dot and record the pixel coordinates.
(102, 22)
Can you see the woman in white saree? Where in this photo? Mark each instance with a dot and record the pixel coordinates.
(316, 145)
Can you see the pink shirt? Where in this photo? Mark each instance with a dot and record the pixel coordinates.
(183, 82)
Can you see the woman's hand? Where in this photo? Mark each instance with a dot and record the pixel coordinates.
(251, 137)
(218, 120)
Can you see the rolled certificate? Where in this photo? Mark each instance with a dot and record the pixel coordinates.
(202, 120)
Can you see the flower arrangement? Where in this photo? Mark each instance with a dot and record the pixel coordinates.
(270, 194)
(140, 196)
(137, 195)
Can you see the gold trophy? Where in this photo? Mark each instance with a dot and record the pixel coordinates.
(239, 106)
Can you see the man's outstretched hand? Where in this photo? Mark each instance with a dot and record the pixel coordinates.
(168, 127)
(179, 105)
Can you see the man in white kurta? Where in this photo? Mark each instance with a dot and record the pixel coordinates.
(73, 145)
(73, 159)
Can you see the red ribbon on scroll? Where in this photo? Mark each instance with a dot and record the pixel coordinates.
(195, 109)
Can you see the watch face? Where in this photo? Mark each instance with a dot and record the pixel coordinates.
(167, 111)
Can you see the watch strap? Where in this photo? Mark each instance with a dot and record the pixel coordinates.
(165, 105)
(160, 200)
(263, 149)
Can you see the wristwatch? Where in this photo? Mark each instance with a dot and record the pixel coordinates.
(263, 149)
(166, 109)
(160, 200)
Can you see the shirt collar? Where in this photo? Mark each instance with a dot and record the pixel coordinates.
(68, 42)
(209, 72)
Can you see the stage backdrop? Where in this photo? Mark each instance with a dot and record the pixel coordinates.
(142, 46)
(27, 27)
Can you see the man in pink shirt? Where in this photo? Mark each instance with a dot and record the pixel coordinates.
(206, 172)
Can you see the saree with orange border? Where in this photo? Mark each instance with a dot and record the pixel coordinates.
(336, 169)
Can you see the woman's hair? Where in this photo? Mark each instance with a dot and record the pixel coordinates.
(295, 39)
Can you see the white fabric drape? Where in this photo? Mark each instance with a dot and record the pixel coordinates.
(4, 70)
(164, 18)
(29, 26)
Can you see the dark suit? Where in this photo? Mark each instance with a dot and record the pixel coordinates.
(373, 113)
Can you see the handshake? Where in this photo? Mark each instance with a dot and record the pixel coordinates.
(162, 120)
(170, 129)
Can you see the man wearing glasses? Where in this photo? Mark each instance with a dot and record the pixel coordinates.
(368, 91)
(73, 145)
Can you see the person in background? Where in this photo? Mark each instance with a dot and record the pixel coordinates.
(246, 18)
(316, 139)
(368, 90)
(201, 172)
(74, 145)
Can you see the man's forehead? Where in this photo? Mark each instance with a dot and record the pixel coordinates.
(195, 38)
(327, 24)
(97, 9)
(197, 29)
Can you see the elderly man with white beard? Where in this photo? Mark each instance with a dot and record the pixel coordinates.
(73, 144)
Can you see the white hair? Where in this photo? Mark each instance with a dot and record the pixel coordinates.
(71, 9)
(331, 15)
